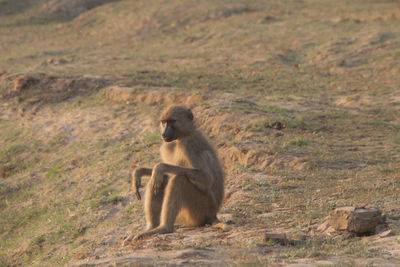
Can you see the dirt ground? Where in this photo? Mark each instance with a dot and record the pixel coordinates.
(300, 99)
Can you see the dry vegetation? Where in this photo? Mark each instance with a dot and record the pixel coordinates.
(301, 98)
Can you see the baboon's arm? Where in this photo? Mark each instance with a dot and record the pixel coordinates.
(202, 179)
(137, 179)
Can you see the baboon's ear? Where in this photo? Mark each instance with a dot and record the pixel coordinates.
(190, 114)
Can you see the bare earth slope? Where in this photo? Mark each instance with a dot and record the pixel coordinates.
(300, 98)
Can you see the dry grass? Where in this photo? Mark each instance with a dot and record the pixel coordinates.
(328, 71)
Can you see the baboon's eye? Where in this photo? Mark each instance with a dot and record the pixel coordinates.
(163, 122)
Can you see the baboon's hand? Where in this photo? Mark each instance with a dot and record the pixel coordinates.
(137, 183)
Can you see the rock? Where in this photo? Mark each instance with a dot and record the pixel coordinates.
(354, 221)
(323, 226)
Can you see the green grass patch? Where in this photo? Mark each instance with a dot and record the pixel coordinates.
(53, 172)
(298, 141)
(115, 199)
(12, 159)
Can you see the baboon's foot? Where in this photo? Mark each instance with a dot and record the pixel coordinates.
(158, 230)
(131, 237)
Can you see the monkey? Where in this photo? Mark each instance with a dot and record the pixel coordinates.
(188, 185)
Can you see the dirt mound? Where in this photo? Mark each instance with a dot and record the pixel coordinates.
(353, 101)
(133, 95)
(69, 8)
(12, 7)
(216, 124)
(232, 156)
(33, 89)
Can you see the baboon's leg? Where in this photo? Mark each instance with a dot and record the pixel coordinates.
(181, 196)
(173, 202)
(153, 204)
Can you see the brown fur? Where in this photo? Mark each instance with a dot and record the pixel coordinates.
(189, 183)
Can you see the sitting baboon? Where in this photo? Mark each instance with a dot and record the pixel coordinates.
(188, 186)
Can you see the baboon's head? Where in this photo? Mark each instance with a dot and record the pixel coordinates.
(176, 122)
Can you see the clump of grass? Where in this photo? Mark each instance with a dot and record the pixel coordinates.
(53, 172)
(298, 141)
(37, 242)
(297, 122)
(271, 243)
(262, 125)
(4, 262)
(11, 160)
(58, 140)
(249, 107)
(248, 185)
(274, 110)
(257, 126)
(396, 139)
(239, 168)
(151, 139)
(115, 199)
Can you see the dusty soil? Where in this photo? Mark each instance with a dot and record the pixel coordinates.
(229, 244)
(300, 99)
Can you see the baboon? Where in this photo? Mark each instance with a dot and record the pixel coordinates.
(188, 186)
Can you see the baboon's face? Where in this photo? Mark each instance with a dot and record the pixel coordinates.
(176, 122)
(168, 130)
